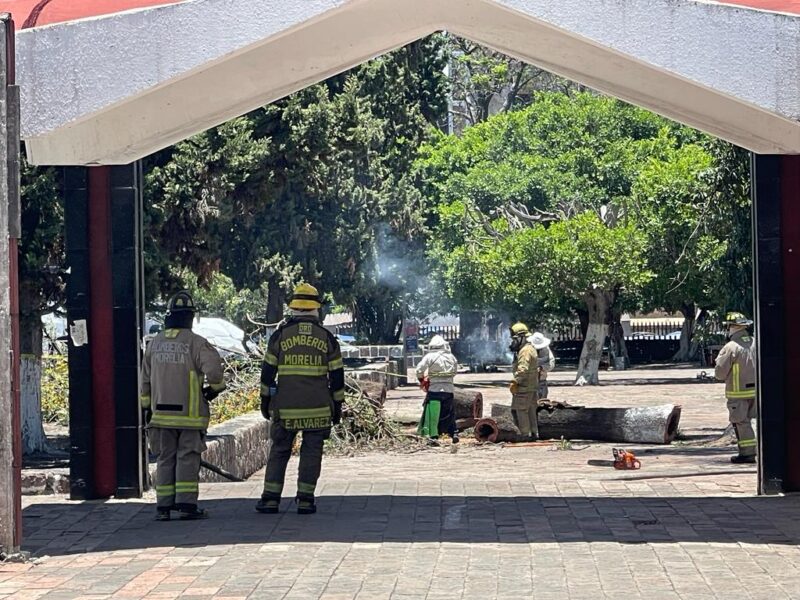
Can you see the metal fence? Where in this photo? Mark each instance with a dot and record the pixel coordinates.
(449, 333)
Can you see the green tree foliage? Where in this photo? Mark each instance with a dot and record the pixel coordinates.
(558, 160)
(313, 187)
(485, 82)
(41, 252)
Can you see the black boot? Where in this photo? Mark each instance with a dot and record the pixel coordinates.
(305, 504)
(190, 512)
(162, 513)
(743, 460)
(268, 504)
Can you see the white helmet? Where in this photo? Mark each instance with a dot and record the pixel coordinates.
(538, 341)
(437, 343)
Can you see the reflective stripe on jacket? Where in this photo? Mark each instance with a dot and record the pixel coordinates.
(735, 366)
(175, 364)
(441, 367)
(305, 359)
(526, 369)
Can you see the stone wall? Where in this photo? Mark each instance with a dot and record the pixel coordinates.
(238, 446)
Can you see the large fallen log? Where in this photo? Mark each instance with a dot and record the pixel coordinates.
(640, 425)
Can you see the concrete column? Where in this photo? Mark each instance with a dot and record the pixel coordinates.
(104, 291)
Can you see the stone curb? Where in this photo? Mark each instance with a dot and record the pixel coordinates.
(45, 481)
(238, 446)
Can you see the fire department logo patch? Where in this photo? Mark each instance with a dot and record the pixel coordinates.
(305, 328)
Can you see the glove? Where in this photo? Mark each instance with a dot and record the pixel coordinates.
(265, 407)
(147, 415)
(210, 393)
(337, 413)
(513, 387)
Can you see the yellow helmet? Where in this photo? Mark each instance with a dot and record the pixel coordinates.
(519, 329)
(305, 297)
(735, 318)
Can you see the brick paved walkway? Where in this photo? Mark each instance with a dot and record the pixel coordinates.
(486, 522)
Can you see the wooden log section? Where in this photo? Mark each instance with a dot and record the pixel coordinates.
(640, 425)
(468, 405)
(500, 429)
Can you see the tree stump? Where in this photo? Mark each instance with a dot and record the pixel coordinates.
(374, 392)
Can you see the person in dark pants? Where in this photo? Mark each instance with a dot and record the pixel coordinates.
(302, 390)
(436, 372)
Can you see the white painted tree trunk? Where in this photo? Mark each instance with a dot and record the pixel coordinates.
(589, 363)
(684, 352)
(33, 437)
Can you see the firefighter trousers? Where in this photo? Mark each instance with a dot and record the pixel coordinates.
(281, 442)
(523, 410)
(178, 468)
(741, 412)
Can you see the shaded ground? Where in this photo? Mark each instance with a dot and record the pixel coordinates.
(485, 522)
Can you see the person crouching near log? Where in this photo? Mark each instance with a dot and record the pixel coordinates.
(435, 373)
(525, 385)
(735, 366)
(545, 360)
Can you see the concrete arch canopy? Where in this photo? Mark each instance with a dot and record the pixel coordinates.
(111, 89)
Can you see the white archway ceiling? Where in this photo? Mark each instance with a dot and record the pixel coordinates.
(113, 89)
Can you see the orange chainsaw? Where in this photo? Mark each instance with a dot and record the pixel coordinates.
(625, 460)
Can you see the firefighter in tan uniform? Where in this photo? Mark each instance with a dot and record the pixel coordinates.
(736, 366)
(307, 398)
(175, 365)
(524, 388)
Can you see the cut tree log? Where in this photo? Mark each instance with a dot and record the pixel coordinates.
(468, 405)
(500, 429)
(462, 424)
(639, 425)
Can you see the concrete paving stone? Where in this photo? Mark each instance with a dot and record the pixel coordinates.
(414, 526)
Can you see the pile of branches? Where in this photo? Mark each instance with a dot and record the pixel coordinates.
(365, 426)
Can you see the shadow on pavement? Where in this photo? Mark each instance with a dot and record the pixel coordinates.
(67, 528)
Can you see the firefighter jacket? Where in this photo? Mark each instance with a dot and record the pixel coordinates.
(175, 364)
(546, 361)
(736, 367)
(441, 367)
(526, 369)
(306, 360)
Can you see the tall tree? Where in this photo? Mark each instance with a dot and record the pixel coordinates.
(41, 277)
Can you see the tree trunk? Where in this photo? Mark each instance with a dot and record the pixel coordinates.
(583, 319)
(641, 425)
(684, 352)
(589, 362)
(695, 346)
(617, 335)
(375, 392)
(468, 405)
(275, 300)
(33, 437)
